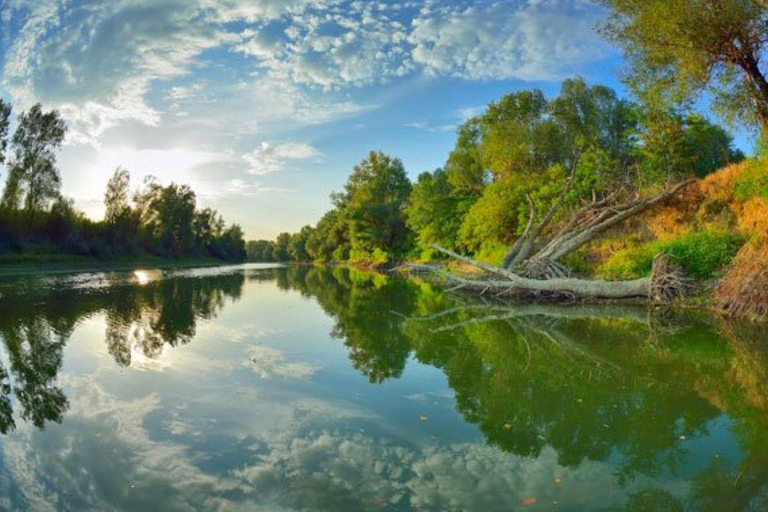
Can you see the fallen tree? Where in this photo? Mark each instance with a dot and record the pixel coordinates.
(532, 268)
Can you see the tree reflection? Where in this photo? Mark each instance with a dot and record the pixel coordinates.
(594, 383)
(140, 321)
(361, 303)
(34, 351)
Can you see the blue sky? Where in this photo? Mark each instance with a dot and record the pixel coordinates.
(264, 106)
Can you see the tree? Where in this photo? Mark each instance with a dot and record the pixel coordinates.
(712, 145)
(34, 178)
(329, 241)
(518, 136)
(374, 198)
(259, 250)
(5, 114)
(280, 251)
(230, 245)
(297, 247)
(207, 226)
(116, 196)
(435, 211)
(678, 143)
(167, 215)
(464, 169)
(686, 47)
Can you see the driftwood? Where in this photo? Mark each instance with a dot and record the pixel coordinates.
(584, 226)
(537, 273)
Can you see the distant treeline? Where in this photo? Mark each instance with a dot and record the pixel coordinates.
(508, 162)
(156, 220)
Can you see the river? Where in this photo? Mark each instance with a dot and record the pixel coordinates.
(332, 389)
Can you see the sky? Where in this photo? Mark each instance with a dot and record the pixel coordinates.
(265, 106)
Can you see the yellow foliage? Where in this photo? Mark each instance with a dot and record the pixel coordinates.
(753, 216)
(710, 204)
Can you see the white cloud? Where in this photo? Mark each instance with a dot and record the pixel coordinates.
(467, 113)
(528, 40)
(424, 126)
(271, 158)
(99, 61)
(268, 361)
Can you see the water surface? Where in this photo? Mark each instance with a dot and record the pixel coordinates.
(308, 388)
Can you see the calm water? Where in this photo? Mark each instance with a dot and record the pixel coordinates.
(302, 388)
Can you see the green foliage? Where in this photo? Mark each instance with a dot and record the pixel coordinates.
(496, 215)
(5, 117)
(280, 250)
(34, 180)
(517, 154)
(701, 253)
(437, 209)
(36, 219)
(753, 181)
(260, 250)
(374, 199)
(297, 247)
(677, 143)
(680, 48)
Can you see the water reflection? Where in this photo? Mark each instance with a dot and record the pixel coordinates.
(674, 407)
(36, 322)
(594, 383)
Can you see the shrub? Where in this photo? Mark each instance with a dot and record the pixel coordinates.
(753, 181)
(701, 253)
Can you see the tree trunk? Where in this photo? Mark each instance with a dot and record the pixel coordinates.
(545, 276)
(582, 288)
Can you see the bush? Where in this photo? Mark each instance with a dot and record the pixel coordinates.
(700, 253)
(753, 181)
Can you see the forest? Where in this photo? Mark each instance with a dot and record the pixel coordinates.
(587, 193)
(38, 223)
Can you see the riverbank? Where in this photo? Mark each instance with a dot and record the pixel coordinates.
(12, 265)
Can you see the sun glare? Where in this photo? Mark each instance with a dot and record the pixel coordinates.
(142, 277)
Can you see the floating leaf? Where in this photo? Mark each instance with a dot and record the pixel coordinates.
(507, 426)
(423, 417)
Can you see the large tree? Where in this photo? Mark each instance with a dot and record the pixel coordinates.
(116, 197)
(5, 115)
(374, 198)
(34, 180)
(685, 47)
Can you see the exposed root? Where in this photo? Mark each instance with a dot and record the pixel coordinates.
(542, 268)
(668, 281)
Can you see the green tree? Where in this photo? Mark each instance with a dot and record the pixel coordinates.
(5, 115)
(297, 247)
(207, 227)
(167, 215)
(374, 198)
(34, 179)
(116, 198)
(259, 250)
(712, 145)
(436, 211)
(464, 169)
(280, 251)
(329, 241)
(679, 143)
(230, 245)
(686, 47)
(519, 137)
